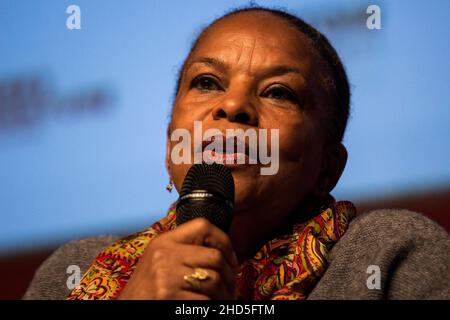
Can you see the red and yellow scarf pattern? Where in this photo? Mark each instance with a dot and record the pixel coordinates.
(285, 268)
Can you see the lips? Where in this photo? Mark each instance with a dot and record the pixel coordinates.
(230, 144)
(234, 151)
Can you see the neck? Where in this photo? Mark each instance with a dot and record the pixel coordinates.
(250, 230)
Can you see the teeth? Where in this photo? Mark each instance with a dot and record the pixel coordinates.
(231, 144)
(222, 158)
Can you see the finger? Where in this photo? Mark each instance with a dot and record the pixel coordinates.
(189, 295)
(197, 256)
(201, 232)
(213, 286)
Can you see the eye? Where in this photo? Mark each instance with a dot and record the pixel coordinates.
(281, 93)
(205, 83)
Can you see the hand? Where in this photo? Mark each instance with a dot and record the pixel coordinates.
(172, 255)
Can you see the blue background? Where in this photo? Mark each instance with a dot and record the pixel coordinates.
(88, 173)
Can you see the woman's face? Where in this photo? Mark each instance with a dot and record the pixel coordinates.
(253, 70)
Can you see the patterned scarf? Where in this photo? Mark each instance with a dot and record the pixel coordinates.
(287, 267)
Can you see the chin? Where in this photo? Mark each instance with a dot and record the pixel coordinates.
(246, 191)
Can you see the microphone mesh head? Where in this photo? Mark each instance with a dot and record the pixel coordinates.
(216, 182)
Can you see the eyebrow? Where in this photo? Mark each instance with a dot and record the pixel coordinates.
(213, 62)
(271, 71)
(280, 70)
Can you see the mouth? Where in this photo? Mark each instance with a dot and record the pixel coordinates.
(228, 151)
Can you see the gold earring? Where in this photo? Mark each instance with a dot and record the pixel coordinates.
(170, 186)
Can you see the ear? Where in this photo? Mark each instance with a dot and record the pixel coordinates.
(333, 164)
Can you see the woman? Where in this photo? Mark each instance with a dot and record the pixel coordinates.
(264, 69)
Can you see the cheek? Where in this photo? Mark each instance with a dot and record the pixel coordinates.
(178, 173)
(299, 141)
(300, 150)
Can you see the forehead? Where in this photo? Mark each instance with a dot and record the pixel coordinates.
(258, 38)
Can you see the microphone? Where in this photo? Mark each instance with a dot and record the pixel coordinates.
(208, 192)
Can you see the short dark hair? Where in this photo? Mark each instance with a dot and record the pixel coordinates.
(336, 83)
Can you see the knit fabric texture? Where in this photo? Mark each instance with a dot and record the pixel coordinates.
(385, 254)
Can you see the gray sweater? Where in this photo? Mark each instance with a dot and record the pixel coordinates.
(385, 254)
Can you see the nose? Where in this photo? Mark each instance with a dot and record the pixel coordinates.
(236, 107)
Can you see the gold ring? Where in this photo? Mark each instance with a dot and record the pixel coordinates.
(194, 279)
